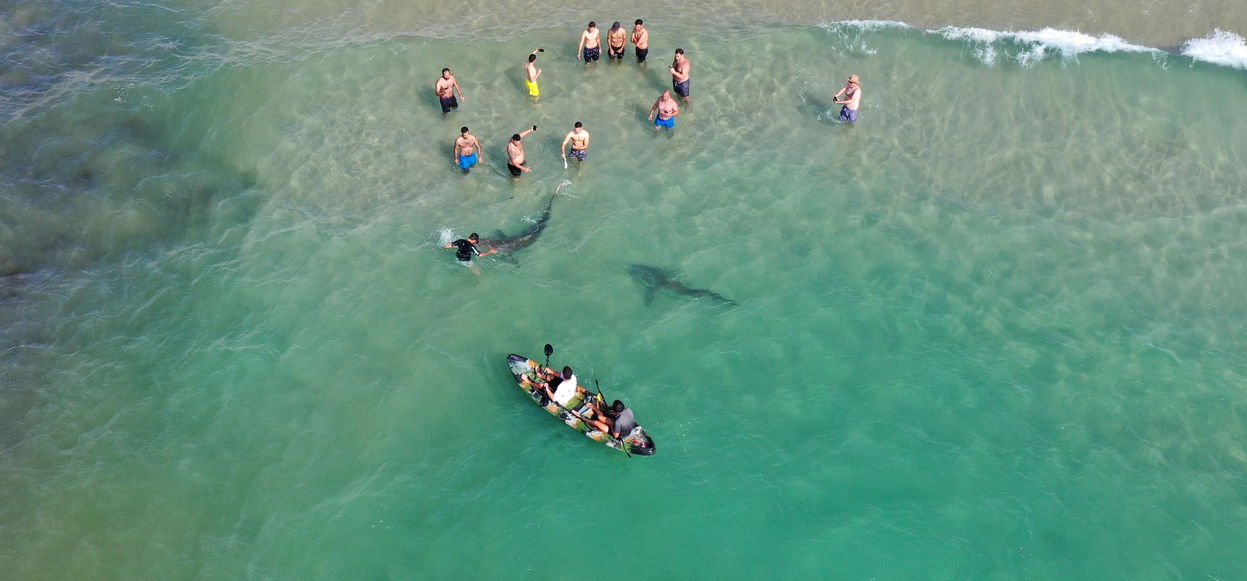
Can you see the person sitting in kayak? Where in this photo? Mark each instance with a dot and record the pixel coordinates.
(600, 419)
(566, 383)
(566, 389)
(623, 420)
(543, 375)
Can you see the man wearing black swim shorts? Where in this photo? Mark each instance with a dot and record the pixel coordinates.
(680, 69)
(640, 38)
(617, 41)
(445, 89)
(516, 163)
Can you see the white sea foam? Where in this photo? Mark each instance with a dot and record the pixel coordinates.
(1067, 42)
(1036, 45)
(866, 24)
(1029, 46)
(1222, 47)
(852, 31)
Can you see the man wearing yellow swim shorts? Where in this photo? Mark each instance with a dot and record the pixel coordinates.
(532, 73)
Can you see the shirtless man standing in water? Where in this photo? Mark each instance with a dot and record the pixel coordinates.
(445, 89)
(532, 73)
(516, 163)
(680, 69)
(667, 109)
(467, 151)
(590, 43)
(852, 100)
(580, 143)
(640, 38)
(617, 41)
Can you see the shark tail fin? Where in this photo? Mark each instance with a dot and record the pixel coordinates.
(556, 193)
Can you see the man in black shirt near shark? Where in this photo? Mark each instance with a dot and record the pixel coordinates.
(464, 249)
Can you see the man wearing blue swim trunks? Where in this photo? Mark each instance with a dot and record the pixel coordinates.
(680, 69)
(666, 109)
(852, 100)
(467, 151)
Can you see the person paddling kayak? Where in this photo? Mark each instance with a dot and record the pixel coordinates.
(624, 419)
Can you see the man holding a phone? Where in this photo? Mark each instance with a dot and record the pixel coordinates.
(852, 93)
(680, 69)
(515, 153)
(532, 73)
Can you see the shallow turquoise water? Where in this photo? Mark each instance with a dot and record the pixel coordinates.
(990, 332)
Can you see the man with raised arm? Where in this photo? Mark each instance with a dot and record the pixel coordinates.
(516, 163)
(532, 73)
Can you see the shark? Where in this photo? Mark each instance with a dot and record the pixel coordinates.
(655, 279)
(505, 245)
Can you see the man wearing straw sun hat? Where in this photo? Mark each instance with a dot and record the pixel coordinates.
(852, 99)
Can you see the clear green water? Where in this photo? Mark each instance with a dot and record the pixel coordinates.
(991, 332)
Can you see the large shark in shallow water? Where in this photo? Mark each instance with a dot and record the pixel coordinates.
(655, 279)
(505, 245)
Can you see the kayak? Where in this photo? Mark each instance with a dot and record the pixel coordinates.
(635, 442)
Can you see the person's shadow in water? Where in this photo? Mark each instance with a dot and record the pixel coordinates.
(656, 75)
(642, 114)
(517, 81)
(823, 110)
